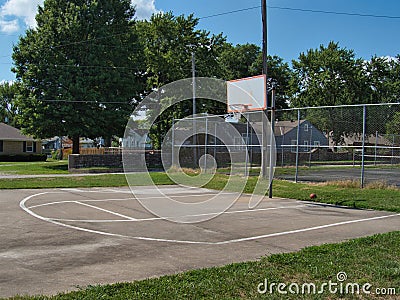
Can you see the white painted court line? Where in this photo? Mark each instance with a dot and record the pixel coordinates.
(307, 229)
(106, 210)
(23, 206)
(83, 200)
(197, 215)
(121, 199)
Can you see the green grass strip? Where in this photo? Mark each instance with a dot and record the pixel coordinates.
(374, 260)
(34, 168)
(387, 199)
(106, 180)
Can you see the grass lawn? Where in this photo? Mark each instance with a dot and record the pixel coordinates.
(373, 260)
(338, 193)
(374, 197)
(34, 168)
(104, 180)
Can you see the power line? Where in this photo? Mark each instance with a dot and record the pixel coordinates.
(83, 101)
(302, 10)
(230, 12)
(238, 11)
(335, 12)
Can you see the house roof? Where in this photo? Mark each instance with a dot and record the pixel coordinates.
(9, 133)
(281, 127)
(370, 139)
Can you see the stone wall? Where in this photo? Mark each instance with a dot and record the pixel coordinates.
(111, 162)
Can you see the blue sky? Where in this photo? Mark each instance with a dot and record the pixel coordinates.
(290, 32)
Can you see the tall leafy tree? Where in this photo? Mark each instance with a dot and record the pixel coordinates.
(393, 126)
(79, 68)
(242, 61)
(384, 79)
(8, 107)
(169, 42)
(330, 76)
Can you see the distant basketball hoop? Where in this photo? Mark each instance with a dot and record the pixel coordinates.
(247, 94)
(235, 112)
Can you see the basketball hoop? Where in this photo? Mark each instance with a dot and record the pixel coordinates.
(247, 94)
(236, 111)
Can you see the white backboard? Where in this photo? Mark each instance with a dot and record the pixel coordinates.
(247, 94)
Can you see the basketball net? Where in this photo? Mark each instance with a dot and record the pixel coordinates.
(238, 110)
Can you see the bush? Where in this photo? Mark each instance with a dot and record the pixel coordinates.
(55, 154)
(23, 157)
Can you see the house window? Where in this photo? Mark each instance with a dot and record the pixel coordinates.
(1, 146)
(305, 127)
(306, 146)
(294, 145)
(317, 144)
(29, 146)
(239, 143)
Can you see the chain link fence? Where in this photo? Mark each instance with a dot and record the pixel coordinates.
(357, 142)
(315, 144)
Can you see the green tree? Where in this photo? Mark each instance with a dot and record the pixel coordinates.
(8, 107)
(79, 68)
(393, 126)
(242, 61)
(384, 79)
(331, 76)
(168, 42)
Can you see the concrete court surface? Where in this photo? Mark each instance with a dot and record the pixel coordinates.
(58, 240)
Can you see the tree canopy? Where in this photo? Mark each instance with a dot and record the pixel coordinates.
(80, 69)
(332, 76)
(329, 76)
(86, 65)
(8, 107)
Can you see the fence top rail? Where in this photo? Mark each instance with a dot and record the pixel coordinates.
(339, 106)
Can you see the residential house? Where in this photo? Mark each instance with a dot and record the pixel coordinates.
(310, 137)
(13, 142)
(137, 139)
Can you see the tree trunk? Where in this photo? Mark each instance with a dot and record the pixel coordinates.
(60, 154)
(75, 145)
(107, 142)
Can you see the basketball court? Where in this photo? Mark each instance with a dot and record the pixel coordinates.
(60, 239)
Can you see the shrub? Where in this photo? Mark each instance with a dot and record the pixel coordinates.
(23, 157)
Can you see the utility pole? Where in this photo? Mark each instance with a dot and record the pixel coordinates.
(194, 82)
(265, 35)
(264, 173)
(194, 108)
(272, 136)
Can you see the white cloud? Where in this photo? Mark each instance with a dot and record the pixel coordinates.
(14, 11)
(144, 8)
(9, 26)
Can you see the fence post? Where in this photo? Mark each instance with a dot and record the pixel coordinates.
(173, 143)
(393, 142)
(215, 142)
(297, 146)
(271, 139)
(376, 145)
(310, 148)
(363, 146)
(205, 144)
(246, 170)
